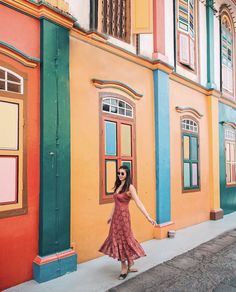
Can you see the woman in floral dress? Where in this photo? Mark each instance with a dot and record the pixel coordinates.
(120, 243)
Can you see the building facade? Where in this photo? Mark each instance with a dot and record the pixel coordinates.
(101, 83)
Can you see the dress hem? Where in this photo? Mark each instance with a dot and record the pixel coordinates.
(126, 259)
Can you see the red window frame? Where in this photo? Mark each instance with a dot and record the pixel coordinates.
(119, 120)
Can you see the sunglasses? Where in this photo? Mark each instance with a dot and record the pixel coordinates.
(121, 173)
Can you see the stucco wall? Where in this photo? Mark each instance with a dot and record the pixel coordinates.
(88, 218)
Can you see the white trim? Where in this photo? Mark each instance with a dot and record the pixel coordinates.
(12, 82)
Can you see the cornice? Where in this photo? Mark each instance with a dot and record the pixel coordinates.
(18, 55)
(41, 10)
(182, 109)
(117, 85)
(101, 42)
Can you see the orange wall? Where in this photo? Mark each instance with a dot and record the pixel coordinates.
(191, 207)
(89, 228)
(20, 31)
(19, 235)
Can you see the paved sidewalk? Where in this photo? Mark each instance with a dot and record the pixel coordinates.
(101, 274)
(208, 267)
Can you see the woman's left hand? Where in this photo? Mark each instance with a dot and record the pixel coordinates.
(153, 222)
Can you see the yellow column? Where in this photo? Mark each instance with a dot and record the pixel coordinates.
(216, 212)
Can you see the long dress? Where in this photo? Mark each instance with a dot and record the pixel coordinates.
(120, 243)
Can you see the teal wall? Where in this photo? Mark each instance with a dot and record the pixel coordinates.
(227, 194)
(54, 229)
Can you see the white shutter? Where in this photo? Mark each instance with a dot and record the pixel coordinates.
(192, 53)
(184, 57)
(230, 79)
(224, 77)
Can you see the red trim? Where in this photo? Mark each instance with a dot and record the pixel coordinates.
(119, 121)
(16, 180)
(51, 258)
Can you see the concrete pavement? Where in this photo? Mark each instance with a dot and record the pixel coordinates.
(208, 267)
(101, 274)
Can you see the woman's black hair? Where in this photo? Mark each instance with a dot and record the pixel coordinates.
(128, 180)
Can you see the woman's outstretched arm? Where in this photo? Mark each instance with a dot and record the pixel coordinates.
(140, 204)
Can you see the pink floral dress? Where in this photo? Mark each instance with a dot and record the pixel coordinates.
(120, 243)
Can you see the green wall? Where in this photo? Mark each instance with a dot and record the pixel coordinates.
(54, 229)
(227, 194)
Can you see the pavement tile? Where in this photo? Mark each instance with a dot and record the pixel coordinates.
(211, 247)
(183, 262)
(200, 254)
(188, 283)
(149, 279)
(225, 240)
(224, 288)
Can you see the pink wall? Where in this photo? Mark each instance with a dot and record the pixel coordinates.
(20, 31)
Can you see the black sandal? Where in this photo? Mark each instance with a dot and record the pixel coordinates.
(123, 276)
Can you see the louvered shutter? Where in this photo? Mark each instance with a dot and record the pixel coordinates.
(192, 54)
(184, 51)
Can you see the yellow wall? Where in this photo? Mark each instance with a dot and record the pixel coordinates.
(88, 218)
(191, 207)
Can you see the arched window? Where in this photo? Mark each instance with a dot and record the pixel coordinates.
(227, 53)
(117, 106)
(10, 81)
(190, 153)
(186, 33)
(117, 141)
(230, 155)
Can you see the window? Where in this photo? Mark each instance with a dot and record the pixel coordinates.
(117, 106)
(117, 142)
(230, 155)
(190, 153)
(186, 32)
(227, 54)
(116, 18)
(10, 81)
(12, 200)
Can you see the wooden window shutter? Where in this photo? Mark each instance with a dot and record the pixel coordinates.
(184, 50)
(224, 77)
(192, 53)
(142, 12)
(230, 79)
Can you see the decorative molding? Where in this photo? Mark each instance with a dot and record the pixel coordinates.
(229, 124)
(117, 85)
(18, 55)
(182, 109)
(41, 10)
(50, 258)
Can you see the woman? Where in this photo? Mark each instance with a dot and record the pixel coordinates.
(120, 243)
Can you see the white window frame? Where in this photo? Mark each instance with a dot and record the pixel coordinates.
(21, 82)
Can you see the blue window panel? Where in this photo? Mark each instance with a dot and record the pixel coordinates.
(186, 175)
(194, 149)
(110, 138)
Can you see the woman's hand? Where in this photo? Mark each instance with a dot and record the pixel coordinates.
(153, 222)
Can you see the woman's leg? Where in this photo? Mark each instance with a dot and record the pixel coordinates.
(130, 269)
(124, 267)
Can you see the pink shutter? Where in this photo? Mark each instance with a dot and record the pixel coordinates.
(184, 57)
